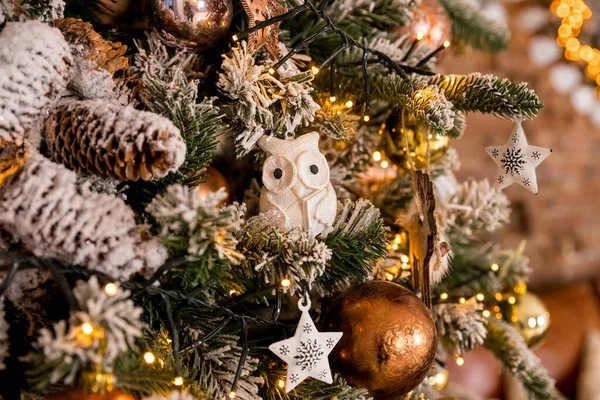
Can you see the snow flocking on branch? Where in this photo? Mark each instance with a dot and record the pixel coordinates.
(115, 323)
(185, 216)
(461, 326)
(476, 206)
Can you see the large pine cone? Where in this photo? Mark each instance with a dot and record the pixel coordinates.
(35, 63)
(108, 140)
(103, 53)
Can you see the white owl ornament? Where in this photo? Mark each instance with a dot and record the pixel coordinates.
(296, 183)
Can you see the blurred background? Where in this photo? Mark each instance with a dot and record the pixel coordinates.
(558, 57)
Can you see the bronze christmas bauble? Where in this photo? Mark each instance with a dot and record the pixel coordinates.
(530, 317)
(417, 131)
(432, 21)
(77, 394)
(215, 181)
(389, 340)
(190, 24)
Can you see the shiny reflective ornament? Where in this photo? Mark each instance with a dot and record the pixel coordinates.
(214, 181)
(431, 20)
(393, 141)
(190, 24)
(530, 317)
(389, 341)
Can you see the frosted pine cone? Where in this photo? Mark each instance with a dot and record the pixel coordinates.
(112, 141)
(34, 71)
(42, 207)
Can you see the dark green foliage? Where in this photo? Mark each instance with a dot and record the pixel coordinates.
(472, 28)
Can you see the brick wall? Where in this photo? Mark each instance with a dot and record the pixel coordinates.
(562, 223)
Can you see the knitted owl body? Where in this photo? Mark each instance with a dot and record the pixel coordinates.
(296, 183)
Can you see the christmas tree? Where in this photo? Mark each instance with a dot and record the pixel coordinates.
(202, 199)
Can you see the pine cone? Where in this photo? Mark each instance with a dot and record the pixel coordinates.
(93, 53)
(111, 141)
(35, 62)
(44, 209)
(102, 53)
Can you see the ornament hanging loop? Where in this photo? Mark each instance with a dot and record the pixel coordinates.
(304, 302)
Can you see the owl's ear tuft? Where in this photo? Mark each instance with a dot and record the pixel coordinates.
(264, 144)
(309, 140)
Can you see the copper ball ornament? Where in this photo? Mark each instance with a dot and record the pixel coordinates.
(431, 20)
(92, 385)
(190, 24)
(393, 141)
(389, 341)
(77, 394)
(215, 181)
(530, 317)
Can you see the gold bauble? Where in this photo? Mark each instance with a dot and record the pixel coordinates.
(215, 181)
(393, 141)
(389, 341)
(530, 317)
(190, 24)
(92, 386)
(432, 21)
(438, 378)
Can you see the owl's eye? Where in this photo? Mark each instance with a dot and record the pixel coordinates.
(313, 169)
(279, 173)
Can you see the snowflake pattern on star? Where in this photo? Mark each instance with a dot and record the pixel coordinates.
(500, 179)
(536, 155)
(294, 378)
(513, 161)
(323, 374)
(527, 182)
(495, 153)
(285, 350)
(307, 328)
(330, 343)
(308, 354)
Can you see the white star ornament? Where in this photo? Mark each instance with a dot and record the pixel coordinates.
(517, 160)
(307, 351)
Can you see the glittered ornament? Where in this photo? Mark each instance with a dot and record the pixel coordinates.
(530, 317)
(190, 24)
(393, 141)
(430, 20)
(92, 385)
(389, 341)
(262, 10)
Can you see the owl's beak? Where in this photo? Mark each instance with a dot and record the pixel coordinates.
(302, 191)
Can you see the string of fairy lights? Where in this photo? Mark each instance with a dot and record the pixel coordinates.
(574, 13)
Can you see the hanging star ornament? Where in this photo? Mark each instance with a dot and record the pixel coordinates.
(307, 351)
(518, 160)
(262, 10)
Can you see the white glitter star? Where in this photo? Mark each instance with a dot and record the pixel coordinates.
(306, 353)
(518, 160)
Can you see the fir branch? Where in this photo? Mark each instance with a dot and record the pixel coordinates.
(172, 95)
(489, 94)
(418, 98)
(273, 255)
(460, 326)
(476, 206)
(509, 347)
(472, 28)
(358, 240)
